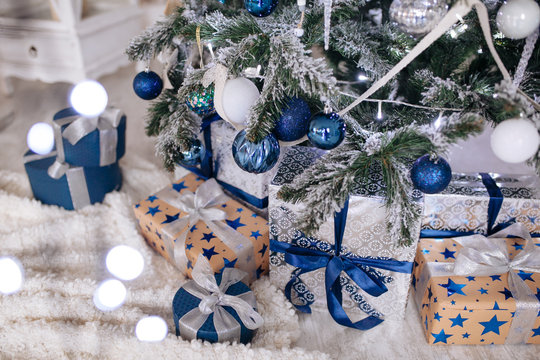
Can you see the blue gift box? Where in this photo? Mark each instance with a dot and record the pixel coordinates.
(76, 188)
(185, 305)
(93, 142)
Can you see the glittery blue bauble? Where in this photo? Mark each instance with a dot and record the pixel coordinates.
(201, 101)
(260, 8)
(326, 131)
(194, 155)
(294, 120)
(147, 85)
(255, 157)
(429, 176)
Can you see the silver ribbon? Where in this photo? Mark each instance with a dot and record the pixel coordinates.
(78, 128)
(486, 256)
(213, 299)
(76, 180)
(201, 206)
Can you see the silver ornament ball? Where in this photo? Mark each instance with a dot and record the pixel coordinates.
(417, 17)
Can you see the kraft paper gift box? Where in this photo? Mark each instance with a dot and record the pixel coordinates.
(464, 206)
(95, 141)
(461, 302)
(251, 189)
(193, 217)
(365, 238)
(70, 187)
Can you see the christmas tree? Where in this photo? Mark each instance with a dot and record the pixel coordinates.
(364, 66)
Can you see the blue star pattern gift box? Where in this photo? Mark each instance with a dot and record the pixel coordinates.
(71, 187)
(216, 308)
(96, 141)
(194, 217)
(374, 283)
(483, 202)
(479, 290)
(251, 189)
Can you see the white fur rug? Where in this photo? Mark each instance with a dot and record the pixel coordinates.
(63, 254)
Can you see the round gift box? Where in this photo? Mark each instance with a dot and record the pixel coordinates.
(184, 302)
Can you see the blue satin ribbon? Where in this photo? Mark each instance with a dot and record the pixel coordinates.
(359, 269)
(494, 206)
(206, 169)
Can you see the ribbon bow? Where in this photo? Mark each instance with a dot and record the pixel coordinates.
(201, 206)
(213, 299)
(78, 128)
(359, 269)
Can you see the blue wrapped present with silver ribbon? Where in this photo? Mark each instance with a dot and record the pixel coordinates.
(216, 308)
(71, 187)
(96, 141)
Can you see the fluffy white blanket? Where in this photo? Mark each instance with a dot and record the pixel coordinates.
(63, 255)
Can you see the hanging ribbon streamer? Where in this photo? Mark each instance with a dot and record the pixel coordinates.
(459, 10)
(199, 45)
(359, 269)
(487, 256)
(203, 206)
(213, 300)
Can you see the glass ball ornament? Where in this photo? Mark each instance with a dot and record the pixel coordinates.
(255, 157)
(515, 140)
(201, 101)
(326, 131)
(238, 97)
(194, 155)
(147, 85)
(417, 17)
(517, 19)
(431, 176)
(260, 8)
(294, 120)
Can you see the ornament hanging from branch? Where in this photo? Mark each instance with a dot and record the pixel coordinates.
(417, 17)
(518, 19)
(515, 140)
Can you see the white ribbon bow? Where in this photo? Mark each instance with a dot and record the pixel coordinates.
(213, 299)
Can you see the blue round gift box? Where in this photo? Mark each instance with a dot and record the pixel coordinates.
(86, 151)
(184, 302)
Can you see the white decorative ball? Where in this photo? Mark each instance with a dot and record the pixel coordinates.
(517, 19)
(89, 98)
(515, 140)
(299, 32)
(239, 95)
(40, 138)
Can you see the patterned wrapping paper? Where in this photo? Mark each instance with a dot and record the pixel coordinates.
(365, 235)
(463, 205)
(154, 215)
(468, 309)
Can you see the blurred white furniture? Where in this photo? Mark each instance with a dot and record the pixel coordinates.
(64, 40)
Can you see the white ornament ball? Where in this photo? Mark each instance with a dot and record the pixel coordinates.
(515, 140)
(239, 95)
(517, 19)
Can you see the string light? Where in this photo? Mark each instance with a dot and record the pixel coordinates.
(89, 98)
(40, 138)
(11, 275)
(151, 329)
(438, 122)
(379, 111)
(125, 262)
(110, 295)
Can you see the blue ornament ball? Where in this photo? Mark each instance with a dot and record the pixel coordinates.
(202, 101)
(147, 85)
(194, 155)
(326, 131)
(255, 157)
(260, 8)
(294, 120)
(431, 176)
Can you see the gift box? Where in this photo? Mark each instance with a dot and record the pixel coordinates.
(358, 234)
(482, 203)
(193, 217)
(251, 189)
(97, 141)
(216, 309)
(479, 290)
(70, 187)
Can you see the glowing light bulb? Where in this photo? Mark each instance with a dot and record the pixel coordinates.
(40, 138)
(379, 111)
(151, 328)
(438, 122)
(11, 275)
(125, 262)
(362, 77)
(89, 98)
(110, 295)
